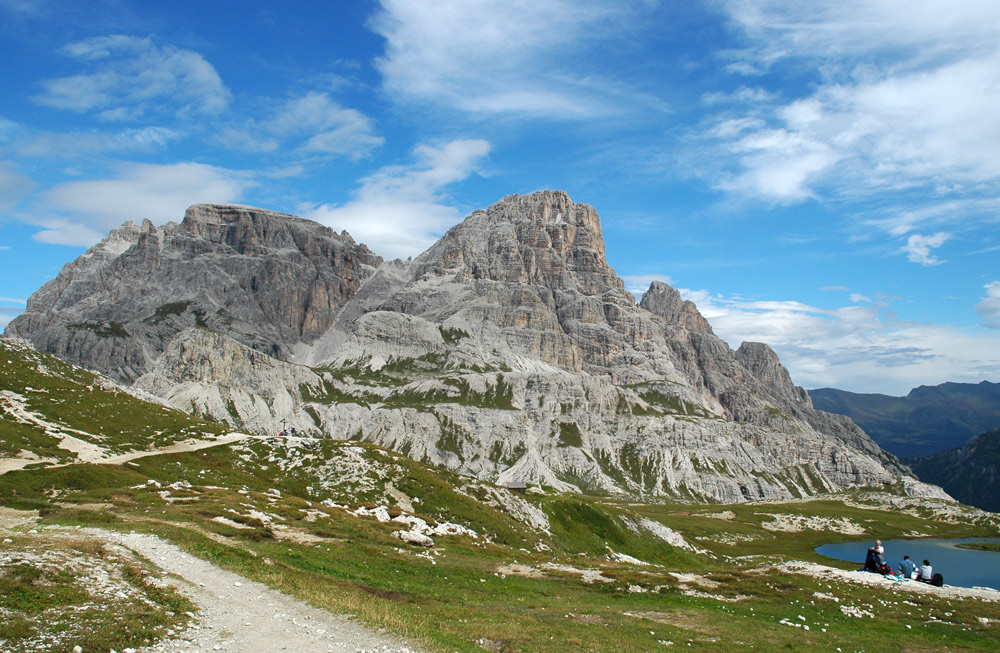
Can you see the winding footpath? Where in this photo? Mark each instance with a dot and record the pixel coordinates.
(238, 615)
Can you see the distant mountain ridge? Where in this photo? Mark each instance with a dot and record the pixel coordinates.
(927, 420)
(970, 473)
(509, 351)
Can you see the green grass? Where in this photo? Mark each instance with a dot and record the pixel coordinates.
(980, 546)
(81, 404)
(467, 599)
(465, 594)
(48, 595)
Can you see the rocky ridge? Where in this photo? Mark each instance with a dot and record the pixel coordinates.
(509, 350)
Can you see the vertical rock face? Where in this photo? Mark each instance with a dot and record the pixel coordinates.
(510, 350)
(266, 279)
(666, 302)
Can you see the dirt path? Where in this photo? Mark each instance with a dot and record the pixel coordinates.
(94, 454)
(235, 614)
(238, 615)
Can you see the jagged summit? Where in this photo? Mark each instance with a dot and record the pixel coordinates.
(509, 350)
(265, 278)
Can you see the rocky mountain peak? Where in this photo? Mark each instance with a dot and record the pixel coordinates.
(543, 238)
(763, 363)
(508, 350)
(665, 301)
(267, 279)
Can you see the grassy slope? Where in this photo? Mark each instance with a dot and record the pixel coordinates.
(75, 400)
(237, 504)
(459, 598)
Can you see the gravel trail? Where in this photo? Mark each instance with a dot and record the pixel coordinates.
(238, 615)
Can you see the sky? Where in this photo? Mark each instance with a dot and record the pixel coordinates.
(823, 177)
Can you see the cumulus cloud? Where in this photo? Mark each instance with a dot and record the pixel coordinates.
(401, 210)
(918, 247)
(127, 77)
(159, 192)
(487, 57)
(989, 306)
(857, 348)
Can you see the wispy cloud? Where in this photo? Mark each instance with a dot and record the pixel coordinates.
(903, 105)
(13, 186)
(158, 192)
(989, 306)
(311, 123)
(89, 143)
(128, 77)
(401, 210)
(516, 58)
(857, 348)
(13, 300)
(638, 284)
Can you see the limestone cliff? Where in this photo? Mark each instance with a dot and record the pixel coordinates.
(509, 350)
(266, 279)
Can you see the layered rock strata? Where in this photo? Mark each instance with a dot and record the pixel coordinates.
(510, 350)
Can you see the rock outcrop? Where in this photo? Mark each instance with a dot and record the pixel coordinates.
(510, 350)
(266, 279)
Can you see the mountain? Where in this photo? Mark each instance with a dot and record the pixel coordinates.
(127, 525)
(509, 351)
(970, 473)
(927, 420)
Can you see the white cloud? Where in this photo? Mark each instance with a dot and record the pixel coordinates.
(989, 306)
(854, 348)
(399, 211)
(158, 192)
(5, 319)
(129, 77)
(918, 247)
(313, 123)
(13, 300)
(907, 98)
(485, 57)
(13, 186)
(63, 231)
(907, 32)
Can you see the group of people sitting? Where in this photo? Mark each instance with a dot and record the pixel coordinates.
(875, 562)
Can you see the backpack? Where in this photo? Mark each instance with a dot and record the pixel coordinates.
(937, 580)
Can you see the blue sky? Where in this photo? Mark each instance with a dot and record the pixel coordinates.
(819, 176)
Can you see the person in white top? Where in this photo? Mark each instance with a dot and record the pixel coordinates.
(926, 572)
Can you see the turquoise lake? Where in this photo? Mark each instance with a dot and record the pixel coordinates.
(960, 567)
